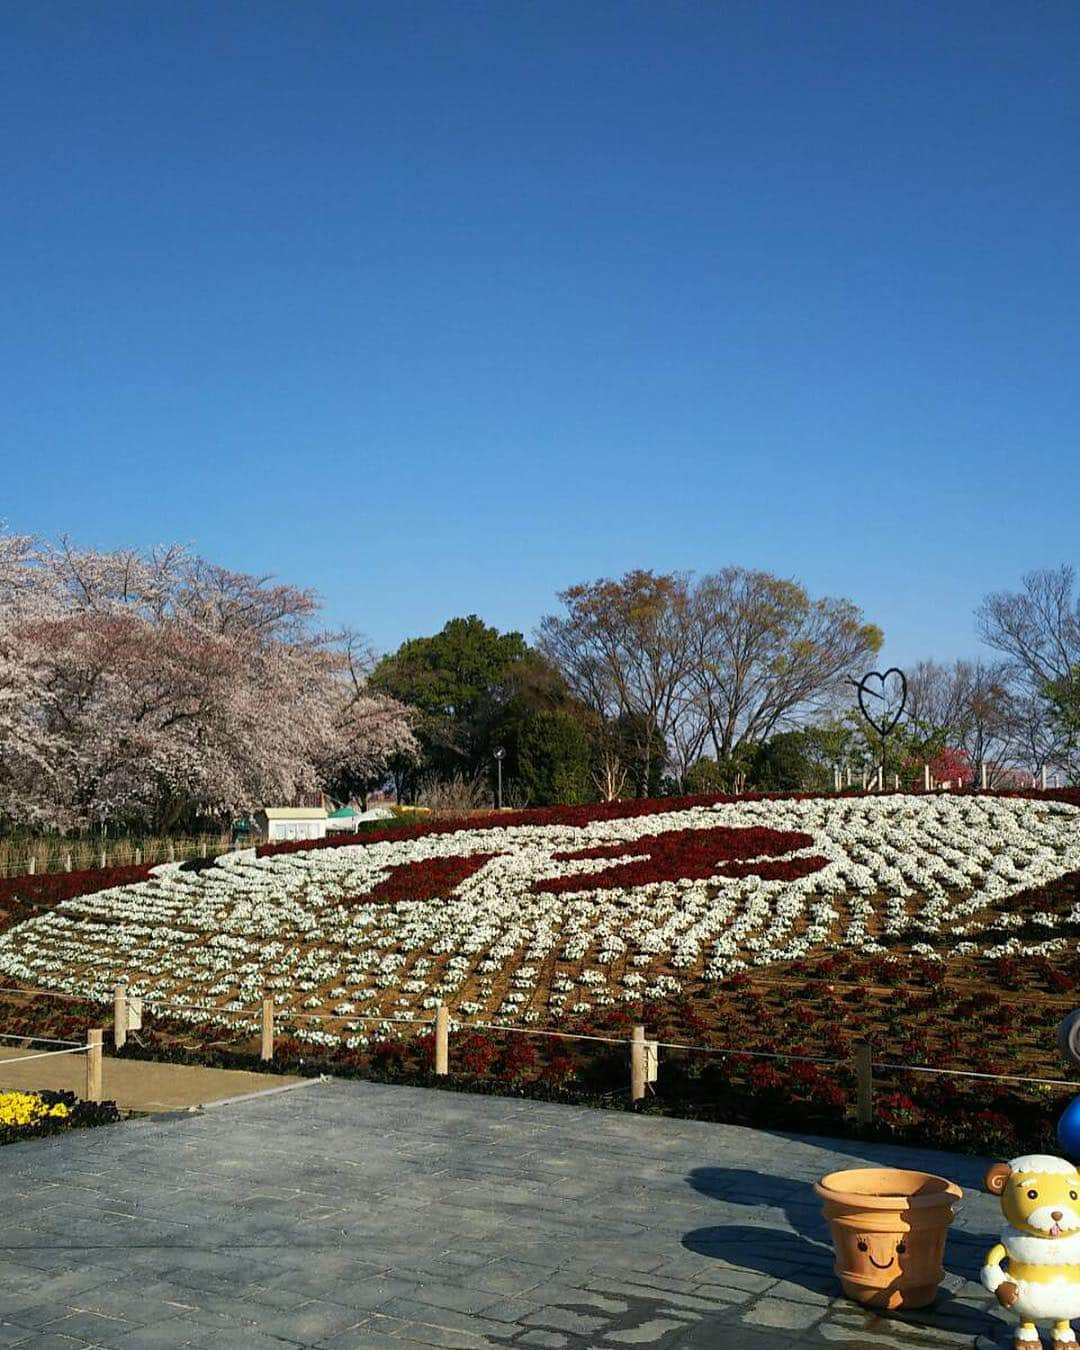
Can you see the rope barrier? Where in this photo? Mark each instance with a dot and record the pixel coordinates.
(199, 1008)
(991, 1077)
(751, 1054)
(284, 1017)
(349, 1017)
(53, 993)
(45, 1054)
(43, 1040)
(535, 1031)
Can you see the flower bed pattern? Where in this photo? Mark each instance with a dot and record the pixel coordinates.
(22, 897)
(549, 917)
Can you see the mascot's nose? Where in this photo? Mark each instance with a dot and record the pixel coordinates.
(1057, 1216)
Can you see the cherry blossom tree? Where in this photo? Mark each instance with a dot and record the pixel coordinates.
(158, 690)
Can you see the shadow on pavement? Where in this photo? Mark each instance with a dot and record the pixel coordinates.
(793, 1246)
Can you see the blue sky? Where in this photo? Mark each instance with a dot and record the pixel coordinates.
(442, 307)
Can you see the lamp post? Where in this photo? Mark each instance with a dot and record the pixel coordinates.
(498, 754)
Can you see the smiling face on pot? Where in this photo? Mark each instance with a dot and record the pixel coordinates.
(882, 1250)
(1040, 1194)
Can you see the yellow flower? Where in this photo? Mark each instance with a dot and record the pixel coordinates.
(28, 1108)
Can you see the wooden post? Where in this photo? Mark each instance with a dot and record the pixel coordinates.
(442, 1040)
(33, 864)
(637, 1065)
(204, 848)
(926, 777)
(120, 1017)
(67, 863)
(138, 857)
(102, 861)
(267, 1048)
(982, 776)
(1044, 777)
(172, 852)
(864, 1084)
(93, 1065)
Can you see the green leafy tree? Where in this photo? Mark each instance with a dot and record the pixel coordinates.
(476, 689)
(708, 776)
(787, 763)
(552, 758)
(461, 680)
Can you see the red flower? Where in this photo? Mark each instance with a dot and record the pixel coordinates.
(690, 855)
(425, 880)
(52, 888)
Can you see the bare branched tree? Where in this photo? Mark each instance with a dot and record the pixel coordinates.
(727, 660)
(1037, 631)
(767, 654)
(970, 705)
(626, 650)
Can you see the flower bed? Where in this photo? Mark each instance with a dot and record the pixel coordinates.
(549, 917)
(943, 929)
(24, 896)
(29, 1115)
(992, 1015)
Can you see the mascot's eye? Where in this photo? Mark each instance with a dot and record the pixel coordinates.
(901, 1247)
(1072, 1195)
(863, 1247)
(1033, 1195)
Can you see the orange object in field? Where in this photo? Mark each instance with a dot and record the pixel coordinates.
(888, 1231)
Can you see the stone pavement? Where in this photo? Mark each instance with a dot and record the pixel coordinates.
(353, 1215)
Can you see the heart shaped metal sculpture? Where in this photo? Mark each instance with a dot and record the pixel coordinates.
(889, 717)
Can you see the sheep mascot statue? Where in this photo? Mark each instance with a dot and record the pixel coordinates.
(1040, 1198)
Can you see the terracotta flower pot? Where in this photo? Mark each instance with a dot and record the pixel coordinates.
(888, 1231)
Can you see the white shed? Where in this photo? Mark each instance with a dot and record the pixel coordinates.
(278, 823)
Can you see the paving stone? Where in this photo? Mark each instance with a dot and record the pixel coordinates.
(648, 1333)
(361, 1337)
(461, 1298)
(29, 1316)
(793, 1292)
(162, 1336)
(369, 1215)
(562, 1319)
(705, 1301)
(504, 1277)
(421, 1333)
(310, 1322)
(510, 1309)
(99, 1331)
(775, 1312)
(55, 1341)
